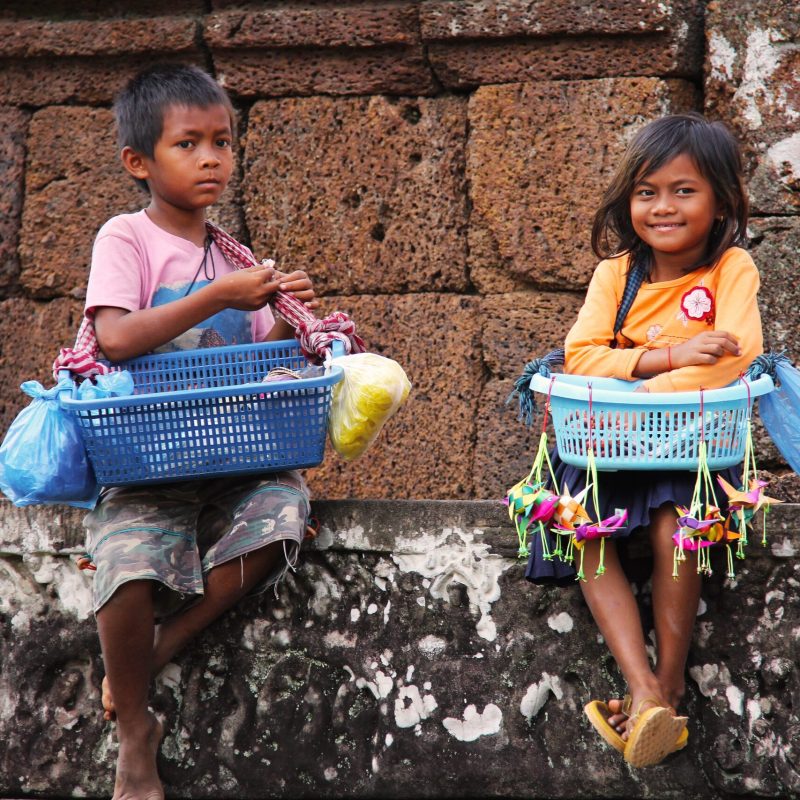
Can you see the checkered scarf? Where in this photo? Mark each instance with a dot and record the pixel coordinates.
(315, 335)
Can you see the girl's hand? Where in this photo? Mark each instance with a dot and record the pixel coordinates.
(705, 348)
(299, 284)
(248, 289)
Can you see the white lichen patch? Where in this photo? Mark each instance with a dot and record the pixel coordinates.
(455, 557)
(710, 678)
(339, 639)
(431, 645)
(773, 611)
(537, 694)
(722, 57)
(327, 593)
(784, 548)
(754, 712)
(561, 622)
(784, 158)
(354, 539)
(71, 585)
(170, 677)
(410, 708)
(703, 632)
(384, 682)
(762, 57)
(735, 699)
(475, 724)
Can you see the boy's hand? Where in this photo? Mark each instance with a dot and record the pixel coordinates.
(248, 289)
(299, 284)
(705, 348)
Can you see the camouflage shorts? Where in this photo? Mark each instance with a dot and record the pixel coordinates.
(175, 533)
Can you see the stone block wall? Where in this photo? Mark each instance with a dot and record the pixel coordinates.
(433, 164)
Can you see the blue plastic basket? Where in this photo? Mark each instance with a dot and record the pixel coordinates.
(637, 430)
(205, 413)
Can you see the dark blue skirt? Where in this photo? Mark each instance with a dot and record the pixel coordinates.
(640, 491)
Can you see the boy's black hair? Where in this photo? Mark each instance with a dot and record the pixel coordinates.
(716, 155)
(139, 108)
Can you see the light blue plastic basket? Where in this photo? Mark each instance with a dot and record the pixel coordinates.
(637, 430)
(205, 413)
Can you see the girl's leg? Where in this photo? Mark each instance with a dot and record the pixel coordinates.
(225, 586)
(614, 608)
(674, 605)
(126, 628)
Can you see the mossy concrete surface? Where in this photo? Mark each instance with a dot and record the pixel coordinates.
(406, 657)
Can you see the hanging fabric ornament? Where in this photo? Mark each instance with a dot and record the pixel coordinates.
(698, 526)
(529, 501)
(697, 535)
(744, 504)
(568, 514)
(588, 530)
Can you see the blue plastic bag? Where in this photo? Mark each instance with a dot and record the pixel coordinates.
(115, 384)
(780, 412)
(42, 459)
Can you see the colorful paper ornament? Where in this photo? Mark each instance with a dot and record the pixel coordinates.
(529, 502)
(569, 510)
(600, 530)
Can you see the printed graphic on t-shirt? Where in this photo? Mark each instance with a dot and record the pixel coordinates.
(228, 327)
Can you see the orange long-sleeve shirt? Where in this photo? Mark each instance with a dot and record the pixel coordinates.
(658, 319)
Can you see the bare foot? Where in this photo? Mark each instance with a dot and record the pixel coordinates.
(109, 712)
(618, 717)
(672, 691)
(639, 704)
(137, 776)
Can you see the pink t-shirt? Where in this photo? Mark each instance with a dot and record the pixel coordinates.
(136, 265)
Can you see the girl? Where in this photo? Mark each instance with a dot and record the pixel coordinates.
(674, 304)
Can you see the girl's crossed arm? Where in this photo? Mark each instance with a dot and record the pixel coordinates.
(737, 320)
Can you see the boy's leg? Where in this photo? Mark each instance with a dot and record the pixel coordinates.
(125, 625)
(226, 584)
(614, 608)
(260, 517)
(675, 605)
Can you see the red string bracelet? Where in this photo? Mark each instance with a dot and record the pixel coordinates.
(669, 359)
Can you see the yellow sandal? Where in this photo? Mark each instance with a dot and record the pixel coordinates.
(598, 712)
(656, 733)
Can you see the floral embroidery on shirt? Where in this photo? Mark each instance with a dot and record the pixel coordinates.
(698, 304)
(653, 331)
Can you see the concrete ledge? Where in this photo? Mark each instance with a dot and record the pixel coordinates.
(406, 657)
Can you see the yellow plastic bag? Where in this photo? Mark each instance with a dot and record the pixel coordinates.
(372, 390)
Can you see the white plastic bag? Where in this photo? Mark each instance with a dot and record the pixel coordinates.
(372, 390)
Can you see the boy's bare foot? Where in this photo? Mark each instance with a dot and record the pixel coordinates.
(137, 775)
(109, 712)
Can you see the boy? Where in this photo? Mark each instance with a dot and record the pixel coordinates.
(178, 554)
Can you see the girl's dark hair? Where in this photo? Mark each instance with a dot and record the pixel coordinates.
(716, 155)
(140, 107)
